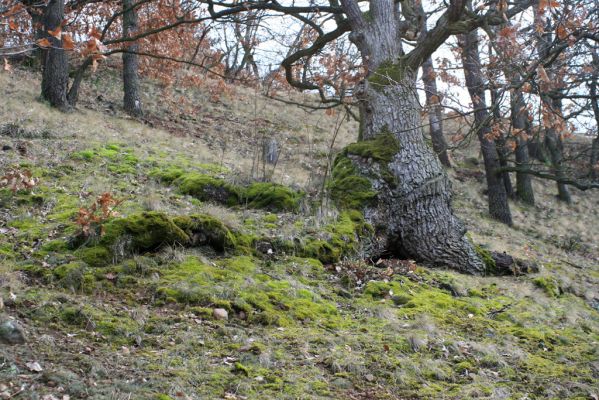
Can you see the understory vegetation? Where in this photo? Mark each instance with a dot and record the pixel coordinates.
(201, 283)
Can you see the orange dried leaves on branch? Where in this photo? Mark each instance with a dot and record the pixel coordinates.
(92, 218)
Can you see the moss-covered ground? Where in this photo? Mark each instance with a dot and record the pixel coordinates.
(129, 313)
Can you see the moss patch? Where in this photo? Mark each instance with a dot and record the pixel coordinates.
(387, 74)
(351, 190)
(272, 196)
(206, 230)
(207, 188)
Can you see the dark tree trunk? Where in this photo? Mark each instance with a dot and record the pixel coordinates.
(131, 98)
(55, 75)
(594, 161)
(554, 145)
(502, 151)
(554, 105)
(524, 190)
(411, 212)
(435, 114)
(497, 197)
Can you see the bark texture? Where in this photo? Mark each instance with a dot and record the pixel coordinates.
(435, 114)
(131, 98)
(502, 151)
(55, 75)
(411, 212)
(524, 190)
(594, 161)
(552, 141)
(497, 196)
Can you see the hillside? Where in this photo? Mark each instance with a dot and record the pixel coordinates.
(208, 285)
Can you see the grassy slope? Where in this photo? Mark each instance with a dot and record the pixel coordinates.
(142, 327)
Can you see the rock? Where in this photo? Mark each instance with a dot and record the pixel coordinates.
(369, 378)
(220, 313)
(11, 333)
(270, 149)
(342, 383)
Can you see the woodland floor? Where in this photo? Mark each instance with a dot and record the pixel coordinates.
(142, 325)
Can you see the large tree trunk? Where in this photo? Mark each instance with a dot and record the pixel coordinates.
(497, 197)
(131, 98)
(55, 75)
(435, 114)
(524, 190)
(411, 209)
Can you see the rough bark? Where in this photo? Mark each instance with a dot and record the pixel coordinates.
(131, 98)
(524, 190)
(502, 151)
(412, 213)
(497, 196)
(55, 74)
(594, 160)
(552, 140)
(435, 114)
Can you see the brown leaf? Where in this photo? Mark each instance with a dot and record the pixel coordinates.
(44, 43)
(67, 42)
(56, 32)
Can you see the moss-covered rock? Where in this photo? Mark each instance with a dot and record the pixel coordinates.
(272, 196)
(207, 188)
(74, 276)
(167, 174)
(549, 285)
(206, 230)
(96, 256)
(338, 239)
(142, 232)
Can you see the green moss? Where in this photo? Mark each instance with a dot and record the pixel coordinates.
(340, 239)
(143, 232)
(272, 196)
(380, 148)
(388, 73)
(207, 188)
(351, 190)
(55, 246)
(97, 256)
(162, 396)
(348, 189)
(270, 218)
(549, 285)
(84, 155)
(73, 276)
(206, 230)
(239, 368)
(6, 251)
(167, 174)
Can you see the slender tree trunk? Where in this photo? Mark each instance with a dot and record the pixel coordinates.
(497, 197)
(502, 151)
(554, 144)
(594, 161)
(55, 75)
(524, 190)
(411, 212)
(552, 136)
(435, 114)
(131, 98)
